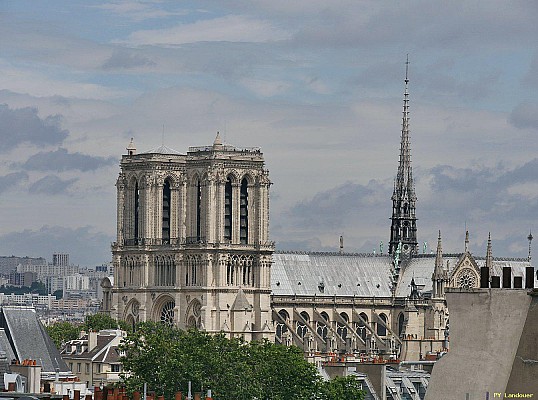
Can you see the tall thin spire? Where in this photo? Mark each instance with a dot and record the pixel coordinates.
(405, 173)
(439, 255)
(529, 238)
(440, 275)
(403, 227)
(489, 254)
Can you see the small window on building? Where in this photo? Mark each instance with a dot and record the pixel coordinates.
(115, 368)
(87, 368)
(71, 366)
(79, 367)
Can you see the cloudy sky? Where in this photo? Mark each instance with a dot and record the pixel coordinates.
(317, 85)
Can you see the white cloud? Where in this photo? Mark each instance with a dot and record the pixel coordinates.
(138, 10)
(37, 82)
(232, 28)
(316, 85)
(266, 88)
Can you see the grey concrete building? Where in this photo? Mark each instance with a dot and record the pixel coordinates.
(494, 347)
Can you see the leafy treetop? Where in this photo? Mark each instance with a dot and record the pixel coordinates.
(167, 358)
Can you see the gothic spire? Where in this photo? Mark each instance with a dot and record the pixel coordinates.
(489, 256)
(404, 179)
(439, 255)
(440, 275)
(403, 227)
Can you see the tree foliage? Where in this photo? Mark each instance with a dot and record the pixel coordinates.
(62, 332)
(342, 388)
(36, 287)
(167, 358)
(100, 321)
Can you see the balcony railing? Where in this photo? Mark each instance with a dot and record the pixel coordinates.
(193, 240)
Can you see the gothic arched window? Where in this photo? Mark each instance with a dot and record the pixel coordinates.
(166, 212)
(381, 329)
(305, 316)
(301, 329)
(228, 210)
(244, 212)
(322, 330)
(136, 209)
(401, 324)
(198, 211)
(341, 328)
(191, 270)
(281, 328)
(361, 327)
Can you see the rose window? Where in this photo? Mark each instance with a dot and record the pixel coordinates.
(196, 309)
(466, 279)
(167, 313)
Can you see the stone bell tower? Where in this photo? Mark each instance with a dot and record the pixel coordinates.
(192, 245)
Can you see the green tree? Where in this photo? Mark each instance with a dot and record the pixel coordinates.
(100, 321)
(282, 372)
(342, 388)
(167, 358)
(62, 332)
(39, 288)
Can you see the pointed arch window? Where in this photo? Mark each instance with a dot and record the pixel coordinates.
(198, 210)
(361, 327)
(136, 209)
(282, 328)
(228, 210)
(244, 212)
(166, 212)
(194, 278)
(381, 329)
(401, 324)
(341, 329)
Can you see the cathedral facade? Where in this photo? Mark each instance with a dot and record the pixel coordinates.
(192, 244)
(193, 250)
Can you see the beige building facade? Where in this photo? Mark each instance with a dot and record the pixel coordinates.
(192, 244)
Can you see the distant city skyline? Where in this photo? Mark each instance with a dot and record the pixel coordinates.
(318, 88)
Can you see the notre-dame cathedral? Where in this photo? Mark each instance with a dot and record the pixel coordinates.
(193, 250)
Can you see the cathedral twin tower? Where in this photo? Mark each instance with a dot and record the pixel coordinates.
(192, 244)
